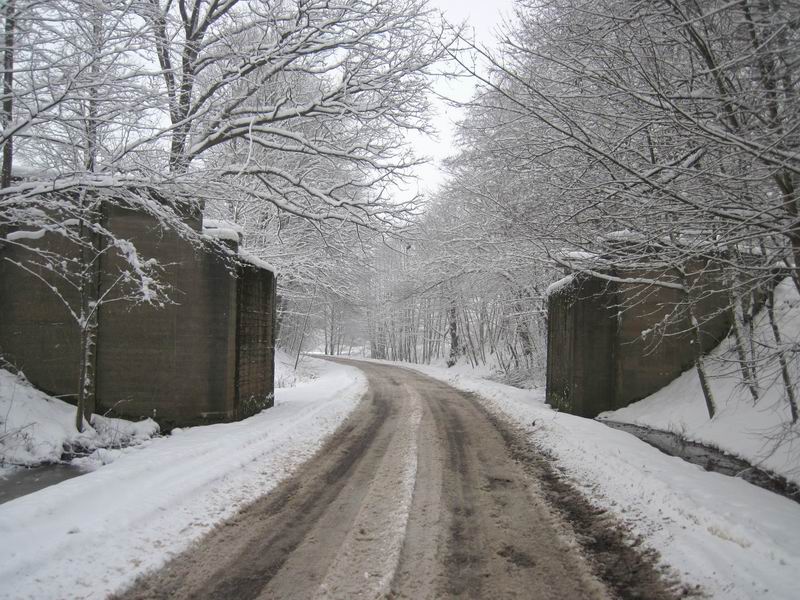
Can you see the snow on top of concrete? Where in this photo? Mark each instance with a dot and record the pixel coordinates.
(256, 262)
(559, 285)
(26, 235)
(223, 230)
(565, 255)
(761, 433)
(33, 217)
(91, 535)
(579, 255)
(221, 224)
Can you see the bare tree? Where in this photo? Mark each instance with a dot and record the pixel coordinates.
(674, 122)
(297, 104)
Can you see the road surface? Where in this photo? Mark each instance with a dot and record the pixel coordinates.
(420, 494)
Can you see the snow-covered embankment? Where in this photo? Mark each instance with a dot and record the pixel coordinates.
(89, 536)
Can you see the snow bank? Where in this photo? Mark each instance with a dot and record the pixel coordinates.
(762, 432)
(36, 428)
(559, 285)
(89, 536)
(286, 376)
(736, 540)
(256, 262)
(222, 230)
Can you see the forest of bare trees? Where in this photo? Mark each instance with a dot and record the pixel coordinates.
(592, 301)
(167, 106)
(669, 128)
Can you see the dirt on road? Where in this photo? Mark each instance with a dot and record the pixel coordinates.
(421, 494)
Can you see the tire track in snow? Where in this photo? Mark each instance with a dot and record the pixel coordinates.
(420, 495)
(369, 557)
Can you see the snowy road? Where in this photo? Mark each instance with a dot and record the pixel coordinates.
(421, 494)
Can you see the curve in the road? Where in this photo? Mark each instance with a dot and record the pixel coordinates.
(421, 494)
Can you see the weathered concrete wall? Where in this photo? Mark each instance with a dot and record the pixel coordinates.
(654, 343)
(255, 349)
(580, 331)
(610, 344)
(174, 363)
(38, 335)
(194, 361)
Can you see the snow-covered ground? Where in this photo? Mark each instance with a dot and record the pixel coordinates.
(36, 428)
(760, 432)
(88, 536)
(736, 540)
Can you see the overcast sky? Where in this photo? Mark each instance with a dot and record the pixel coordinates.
(483, 17)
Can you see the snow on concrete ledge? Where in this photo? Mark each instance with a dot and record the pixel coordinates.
(223, 230)
(559, 285)
(256, 262)
(231, 232)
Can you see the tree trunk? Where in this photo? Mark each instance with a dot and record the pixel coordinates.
(697, 342)
(746, 366)
(89, 315)
(452, 328)
(92, 125)
(699, 363)
(305, 324)
(787, 380)
(8, 86)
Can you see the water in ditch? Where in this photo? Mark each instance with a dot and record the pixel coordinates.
(711, 459)
(23, 481)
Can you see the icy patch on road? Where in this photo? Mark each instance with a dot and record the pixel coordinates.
(89, 536)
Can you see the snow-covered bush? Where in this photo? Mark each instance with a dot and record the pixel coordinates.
(37, 429)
